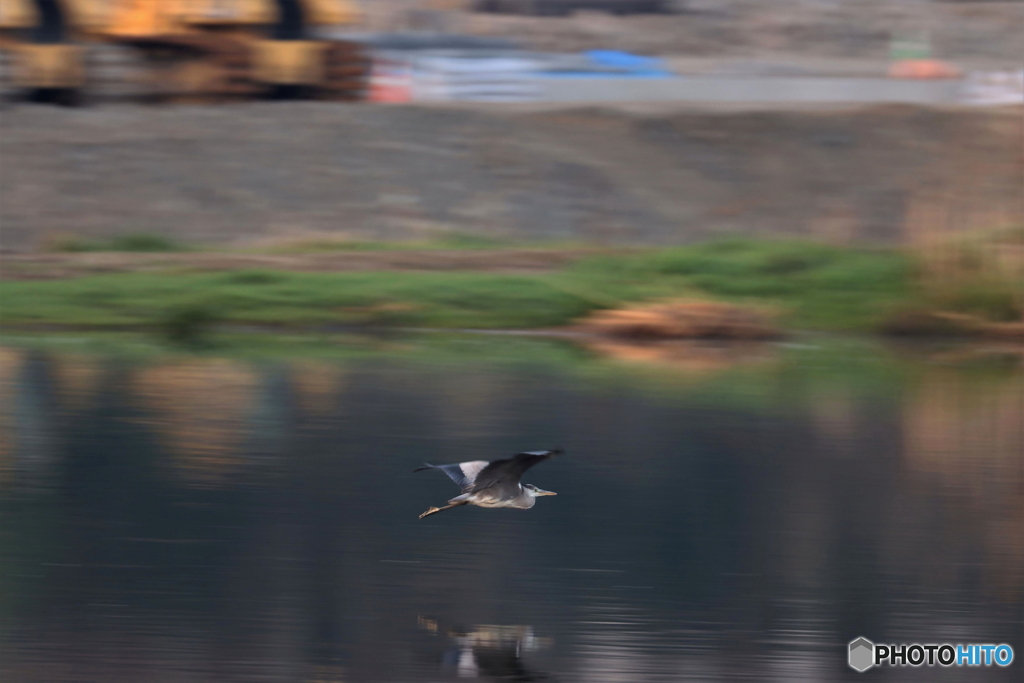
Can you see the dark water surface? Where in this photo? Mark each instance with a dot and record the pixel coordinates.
(205, 519)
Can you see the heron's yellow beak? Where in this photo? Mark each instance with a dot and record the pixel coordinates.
(542, 492)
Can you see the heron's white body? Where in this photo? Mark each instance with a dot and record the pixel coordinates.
(524, 501)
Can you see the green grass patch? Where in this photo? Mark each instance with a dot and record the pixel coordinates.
(134, 242)
(812, 286)
(478, 300)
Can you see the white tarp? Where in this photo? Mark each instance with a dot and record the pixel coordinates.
(994, 88)
(448, 75)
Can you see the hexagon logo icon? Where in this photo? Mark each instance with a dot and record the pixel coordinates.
(862, 654)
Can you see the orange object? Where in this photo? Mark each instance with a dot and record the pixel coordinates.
(923, 69)
(145, 18)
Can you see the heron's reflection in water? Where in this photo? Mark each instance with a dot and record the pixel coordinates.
(490, 651)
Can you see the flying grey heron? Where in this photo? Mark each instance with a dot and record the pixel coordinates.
(493, 484)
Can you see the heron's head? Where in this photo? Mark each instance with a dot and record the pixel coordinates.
(536, 492)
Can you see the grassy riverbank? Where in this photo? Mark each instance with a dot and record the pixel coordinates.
(807, 285)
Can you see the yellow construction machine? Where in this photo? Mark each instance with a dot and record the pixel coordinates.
(202, 49)
(44, 37)
(190, 49)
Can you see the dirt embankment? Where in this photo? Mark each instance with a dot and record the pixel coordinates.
(55, 266)
(237, 174)
(982, 32)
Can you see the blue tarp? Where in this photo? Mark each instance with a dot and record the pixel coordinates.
(611, 64)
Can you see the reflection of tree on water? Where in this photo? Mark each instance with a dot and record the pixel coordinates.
(198, 407)
(10, 365)
(35, 391)
(490, 651)
(76, 378)
(35, 438)
(316, 386)
(965, 436)
(113, 556)
(10, 371)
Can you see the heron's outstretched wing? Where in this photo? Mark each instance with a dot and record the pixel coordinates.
(463, 473)
(510, 470)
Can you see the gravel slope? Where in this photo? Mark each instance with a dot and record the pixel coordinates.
(238, 173)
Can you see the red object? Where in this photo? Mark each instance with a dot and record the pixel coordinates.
(923, 68)
(390, 82)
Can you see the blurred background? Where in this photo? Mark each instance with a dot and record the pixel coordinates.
(757, 265)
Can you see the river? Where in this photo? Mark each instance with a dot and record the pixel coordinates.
(214, 518)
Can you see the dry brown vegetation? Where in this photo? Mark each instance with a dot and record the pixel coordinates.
(683, 319)
(692, 357)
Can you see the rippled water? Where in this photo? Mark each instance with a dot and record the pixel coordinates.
(208, 519)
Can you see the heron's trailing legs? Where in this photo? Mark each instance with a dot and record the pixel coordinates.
(433, 510)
